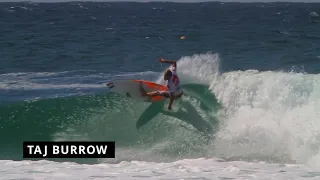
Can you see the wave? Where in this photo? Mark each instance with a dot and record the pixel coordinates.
(239, 115)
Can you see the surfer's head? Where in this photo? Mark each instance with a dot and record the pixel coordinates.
(167, 74)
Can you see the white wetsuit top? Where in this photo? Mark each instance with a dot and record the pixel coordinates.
(173, 83)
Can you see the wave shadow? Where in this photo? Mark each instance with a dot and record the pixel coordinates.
(153, 110)
(186, 113)
(191, 116)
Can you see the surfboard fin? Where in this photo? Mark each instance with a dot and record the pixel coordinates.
(142, 91)
(110, 85)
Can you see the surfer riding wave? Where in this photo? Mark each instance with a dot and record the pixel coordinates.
(171, 77)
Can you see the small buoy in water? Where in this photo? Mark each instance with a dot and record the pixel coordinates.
(182, 37)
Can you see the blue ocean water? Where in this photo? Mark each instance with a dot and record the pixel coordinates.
(250, 70)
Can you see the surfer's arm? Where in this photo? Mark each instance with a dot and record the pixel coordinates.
(174, 63)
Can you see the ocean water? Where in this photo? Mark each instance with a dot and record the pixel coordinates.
(250, 72)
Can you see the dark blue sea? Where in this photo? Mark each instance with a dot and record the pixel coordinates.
(250, 72)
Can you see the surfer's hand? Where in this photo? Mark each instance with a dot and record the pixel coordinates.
(161, 60)
(169, 108)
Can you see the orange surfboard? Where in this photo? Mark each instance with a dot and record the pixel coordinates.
(132, 89)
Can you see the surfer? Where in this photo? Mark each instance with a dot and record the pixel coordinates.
(174, 91)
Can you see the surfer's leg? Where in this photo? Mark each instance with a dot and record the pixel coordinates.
(165, 94)
(181, 94)
(178, 95)
(158, 93)
(153, 93)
